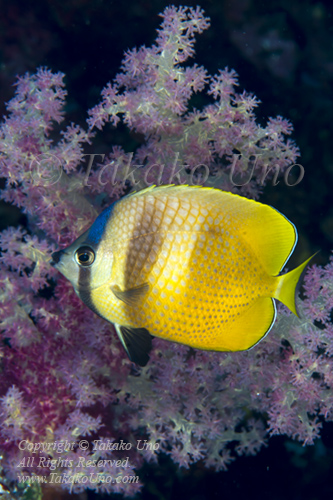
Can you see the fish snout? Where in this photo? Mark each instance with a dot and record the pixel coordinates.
(56, 257)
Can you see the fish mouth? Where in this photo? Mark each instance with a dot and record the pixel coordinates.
(56, 257)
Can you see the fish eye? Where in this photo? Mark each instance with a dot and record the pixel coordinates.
(84, 256)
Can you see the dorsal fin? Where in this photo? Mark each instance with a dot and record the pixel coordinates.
(270, 235)
(136, 342)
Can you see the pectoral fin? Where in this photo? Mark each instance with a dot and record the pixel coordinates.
(132, 296)
(136, 342)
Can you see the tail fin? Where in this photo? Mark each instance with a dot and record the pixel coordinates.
(288, 286)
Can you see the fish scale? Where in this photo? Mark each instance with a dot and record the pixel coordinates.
(192, 265)
(171, 308)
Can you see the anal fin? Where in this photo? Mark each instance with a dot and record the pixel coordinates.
(137, 342)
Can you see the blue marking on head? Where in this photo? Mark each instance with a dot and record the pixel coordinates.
(97, 229)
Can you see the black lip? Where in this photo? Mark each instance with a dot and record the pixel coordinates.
(56, 256)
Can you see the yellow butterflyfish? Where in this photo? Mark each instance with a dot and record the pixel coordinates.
(193, 265)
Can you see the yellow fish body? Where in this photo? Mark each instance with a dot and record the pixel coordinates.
(193, 265)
